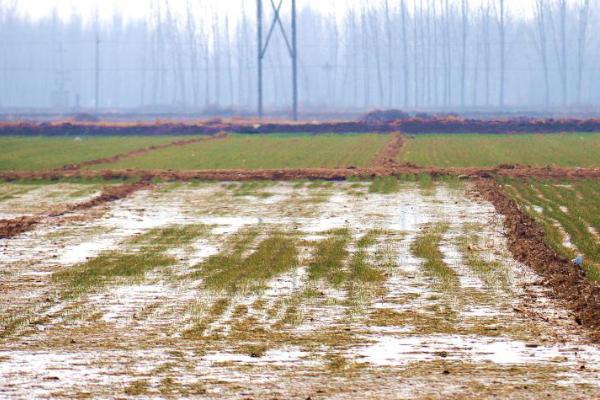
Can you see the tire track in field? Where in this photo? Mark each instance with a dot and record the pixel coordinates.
(139, 152)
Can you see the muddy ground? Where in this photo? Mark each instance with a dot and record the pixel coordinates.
(526, 241)
(479, 325)
(12, 227)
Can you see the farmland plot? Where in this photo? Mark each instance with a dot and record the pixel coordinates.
(570, 149)
(42, 153)
(264, 151)
(290, 290)
(569, 212)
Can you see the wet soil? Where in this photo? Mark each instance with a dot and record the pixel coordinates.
(12, 227)
(410, 338)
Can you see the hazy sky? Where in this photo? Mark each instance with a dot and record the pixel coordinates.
(139, 8)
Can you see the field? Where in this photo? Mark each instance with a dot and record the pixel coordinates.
(362, 278)
(569, 212)
(264, 152)
(390, 288)
(290, 151)
(565, 150)
(42, 153)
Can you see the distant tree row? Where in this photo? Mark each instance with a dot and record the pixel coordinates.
(413, 54)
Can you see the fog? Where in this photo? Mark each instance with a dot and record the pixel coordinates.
(201, 57)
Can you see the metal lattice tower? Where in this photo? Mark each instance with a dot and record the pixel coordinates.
(61, 77)
(264, 45)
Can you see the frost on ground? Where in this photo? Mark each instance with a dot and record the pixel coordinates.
(378, 324)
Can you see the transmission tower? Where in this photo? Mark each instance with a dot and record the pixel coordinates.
(61, 94)
(264, 45)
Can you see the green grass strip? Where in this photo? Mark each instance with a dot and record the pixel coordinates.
(385, 185)
(361, 271)
(328, 258)
(141, 255)
(231, 272)
(427, 247)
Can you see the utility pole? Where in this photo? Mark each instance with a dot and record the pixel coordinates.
(61, 95)
(291, 46)
(294, 54)
(259, 18)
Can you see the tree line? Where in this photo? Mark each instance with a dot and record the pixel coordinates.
(411, 54)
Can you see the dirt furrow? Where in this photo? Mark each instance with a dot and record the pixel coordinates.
(333, 174)
(527, 244)
(140, 152)
(10, 228)
(388, 154)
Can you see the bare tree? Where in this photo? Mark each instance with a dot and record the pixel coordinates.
(584, 11)
(229, 61)
(405, 53)
(502, 31)
(540, 17)
(487, 52)
(390, 52)
(415, 55)
(193, 54)
(216, 54)
(562, 6)
(447, 53)
(434, 67)
(377, 50)
(365, 53)
(463, 72)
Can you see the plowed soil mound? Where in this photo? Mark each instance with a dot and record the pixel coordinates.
(13, 227)
(526, 243)
(514, 171)
(413, 125)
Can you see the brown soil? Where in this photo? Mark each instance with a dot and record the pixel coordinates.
(140, 152)
(526, 243)
(514, 171)
(388, 154)
(13, 227)
(430, 124)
